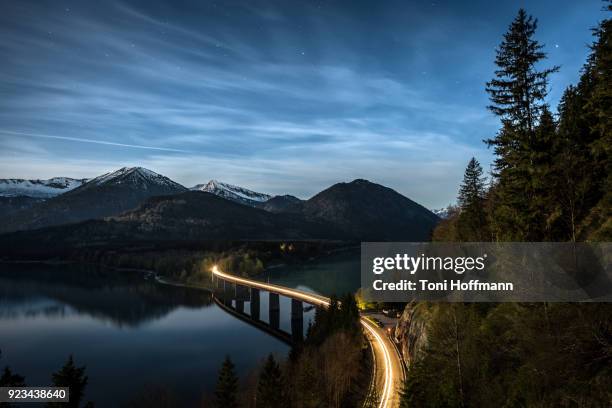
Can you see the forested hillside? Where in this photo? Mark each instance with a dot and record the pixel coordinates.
(551, 182)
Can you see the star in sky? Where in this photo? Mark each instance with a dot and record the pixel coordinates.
(281, 97)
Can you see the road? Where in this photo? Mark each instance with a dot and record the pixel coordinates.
(388, 365)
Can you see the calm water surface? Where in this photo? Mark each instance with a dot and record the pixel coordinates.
(133, 334)
(334, 274)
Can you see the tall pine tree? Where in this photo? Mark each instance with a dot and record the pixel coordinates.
(270, 392)
(472, 223)
(226, 393)
(598, 224)
(10, 379)
(518, 90)
(571, 182)
(582, 182)
(544, 160)
(517, 96)
(75, 379)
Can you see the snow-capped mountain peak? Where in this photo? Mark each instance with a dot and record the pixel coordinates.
(132, 176)
(443, 213)
(233, 193)
(38, 188)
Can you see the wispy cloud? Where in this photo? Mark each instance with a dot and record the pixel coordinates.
(279, 97)
(81, 140)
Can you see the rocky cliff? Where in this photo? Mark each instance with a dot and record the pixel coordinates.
(411, 330)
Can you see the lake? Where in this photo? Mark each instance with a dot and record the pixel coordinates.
(133, 334)
(335, 274)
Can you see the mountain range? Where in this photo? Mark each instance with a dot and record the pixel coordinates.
(19, 194)
(109, 194)
(38, 188)
(136, 204)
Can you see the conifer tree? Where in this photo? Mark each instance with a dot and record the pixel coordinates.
(227, 386)
(582, 177)
(517, 96)
(472, 219)
(10, 379)
(270, 393)
(544, 160)
(569, 182)
(600, 62)
(72, 377)
(598, 224)
(518, 90)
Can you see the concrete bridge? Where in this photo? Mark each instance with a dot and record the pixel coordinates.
(231, 292)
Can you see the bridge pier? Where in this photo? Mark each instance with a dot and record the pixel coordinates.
(218, 286)
(255, 306)
(297, 320)
(274, 310)
(228, 292)
(242, 293)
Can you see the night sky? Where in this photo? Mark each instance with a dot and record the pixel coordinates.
(280, 97)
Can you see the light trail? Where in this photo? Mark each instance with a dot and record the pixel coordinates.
(292, 293)
(388, 383)
(376, 339)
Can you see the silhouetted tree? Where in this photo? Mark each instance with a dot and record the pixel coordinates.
(472, 219)
(226, 392)
(518, 90)
(10, 379)
(270, 391)
(517, 96)
(584, 148)
(75, 379)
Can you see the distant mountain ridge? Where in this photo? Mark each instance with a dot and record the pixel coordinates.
(38, 188)
(443, 213)
(199, 214)
(132, 176)
(283, 203)
(232, 193)
(369, 211)
(134, 204)
(103, 196)
(21, 194)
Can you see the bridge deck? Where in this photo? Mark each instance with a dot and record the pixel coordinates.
(306, 297)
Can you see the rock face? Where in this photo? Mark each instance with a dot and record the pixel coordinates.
(411, 331)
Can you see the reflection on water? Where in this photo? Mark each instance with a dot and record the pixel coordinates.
(121, 298)
(130, 332)
(336, 274)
